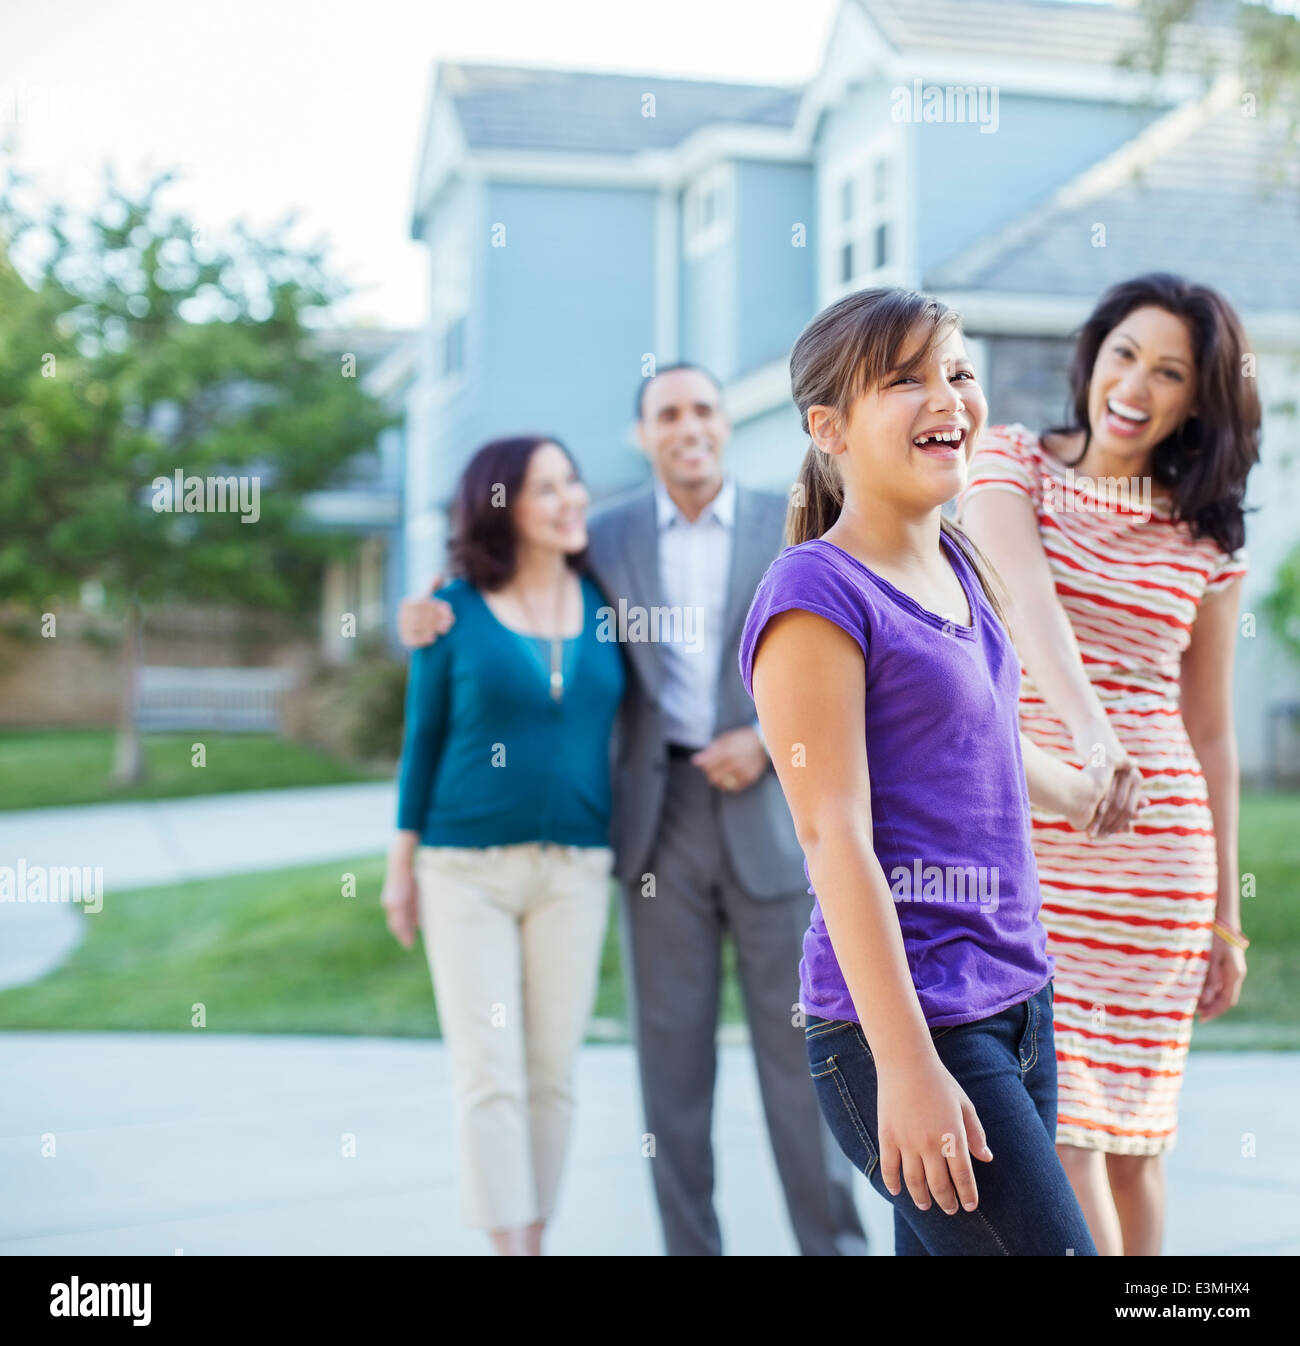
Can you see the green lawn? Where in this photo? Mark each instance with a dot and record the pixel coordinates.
(279, 952)
(45, 767)
(1268, 1014)
(286, 953)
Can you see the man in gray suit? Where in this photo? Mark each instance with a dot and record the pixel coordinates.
(703, 841)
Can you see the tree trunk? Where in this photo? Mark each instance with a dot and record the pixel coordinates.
(128, 764)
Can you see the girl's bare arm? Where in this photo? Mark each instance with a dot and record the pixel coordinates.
(1006, 529)
(810, 689)
(1057, 787)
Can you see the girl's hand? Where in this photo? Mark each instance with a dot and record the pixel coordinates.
(1089, 790)
(929, 1130)
(401, 902)
(1223, 980)
(1124, 799)
(1105, 759)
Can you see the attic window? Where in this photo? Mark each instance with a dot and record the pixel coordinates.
(452, 352)
(708, 210)
(450, 304)
(860, 239)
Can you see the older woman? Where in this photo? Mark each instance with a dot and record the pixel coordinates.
(502, 854)
(1120, 538)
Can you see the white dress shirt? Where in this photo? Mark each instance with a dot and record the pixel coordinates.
(694, 565)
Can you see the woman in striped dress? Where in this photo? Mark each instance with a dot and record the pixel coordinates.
(1120, 539)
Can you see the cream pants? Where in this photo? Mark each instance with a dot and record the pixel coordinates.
(514, 937)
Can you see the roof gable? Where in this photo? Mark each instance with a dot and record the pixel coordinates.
(574, 111)
(1217, 200)
(1033, 31)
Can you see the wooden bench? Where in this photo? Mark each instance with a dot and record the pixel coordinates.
(241, 699)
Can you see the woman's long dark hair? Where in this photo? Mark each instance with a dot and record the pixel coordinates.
(849, 347)
(483, 547)
(1205, 461)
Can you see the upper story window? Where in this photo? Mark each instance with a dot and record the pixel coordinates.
(452, 348)
(449, 301)
(708, 208)
(861, 237)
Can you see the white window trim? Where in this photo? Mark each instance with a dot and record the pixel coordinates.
(667, 277)
(450, 294)
(699, 239)
(861, 229)
(444, 375)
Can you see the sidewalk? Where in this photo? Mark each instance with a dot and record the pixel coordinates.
(226, 1144)
(210, 1144)
(171, 840)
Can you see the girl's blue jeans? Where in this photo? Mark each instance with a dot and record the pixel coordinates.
(1007, 1066)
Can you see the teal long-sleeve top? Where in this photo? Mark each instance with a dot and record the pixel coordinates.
(489, 758)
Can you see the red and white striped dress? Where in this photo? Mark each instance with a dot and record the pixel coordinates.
(1127, 916)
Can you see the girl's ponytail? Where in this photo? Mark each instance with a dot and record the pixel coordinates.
(815, 498)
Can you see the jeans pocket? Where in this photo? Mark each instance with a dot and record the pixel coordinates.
(815, 1027)
(1029, 1035)
(842, 1114)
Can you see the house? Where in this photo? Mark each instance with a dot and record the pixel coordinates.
(366, 500)
(585, 228)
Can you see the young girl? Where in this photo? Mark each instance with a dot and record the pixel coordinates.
(886, 686)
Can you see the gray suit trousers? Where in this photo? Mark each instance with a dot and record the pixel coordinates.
(672, 944)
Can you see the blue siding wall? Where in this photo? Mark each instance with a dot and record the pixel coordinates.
(442, 421)
(861, 114)
(565, 314)
(969, 182)
(777, 295)
(767, 450)
(708, 304)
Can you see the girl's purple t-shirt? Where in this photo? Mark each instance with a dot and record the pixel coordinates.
(949, 803)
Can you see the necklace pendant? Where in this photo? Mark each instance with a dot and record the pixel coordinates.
(557, 685)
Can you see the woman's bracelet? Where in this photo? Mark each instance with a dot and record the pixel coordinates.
(1230, 936)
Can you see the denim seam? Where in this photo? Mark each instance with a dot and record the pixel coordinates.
(993, 1232)
(1027, 1066)
(854, 1116)
(821, 1029)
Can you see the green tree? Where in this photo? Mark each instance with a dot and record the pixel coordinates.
(1282, 604)
(1266, 54)
(131, 348)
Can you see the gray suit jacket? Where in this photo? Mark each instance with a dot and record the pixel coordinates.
(757, 831)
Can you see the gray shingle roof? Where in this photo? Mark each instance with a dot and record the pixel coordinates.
(584, 112)
(1027, 31)
(1216, 207)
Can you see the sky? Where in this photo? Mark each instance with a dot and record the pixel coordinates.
(270, 106)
